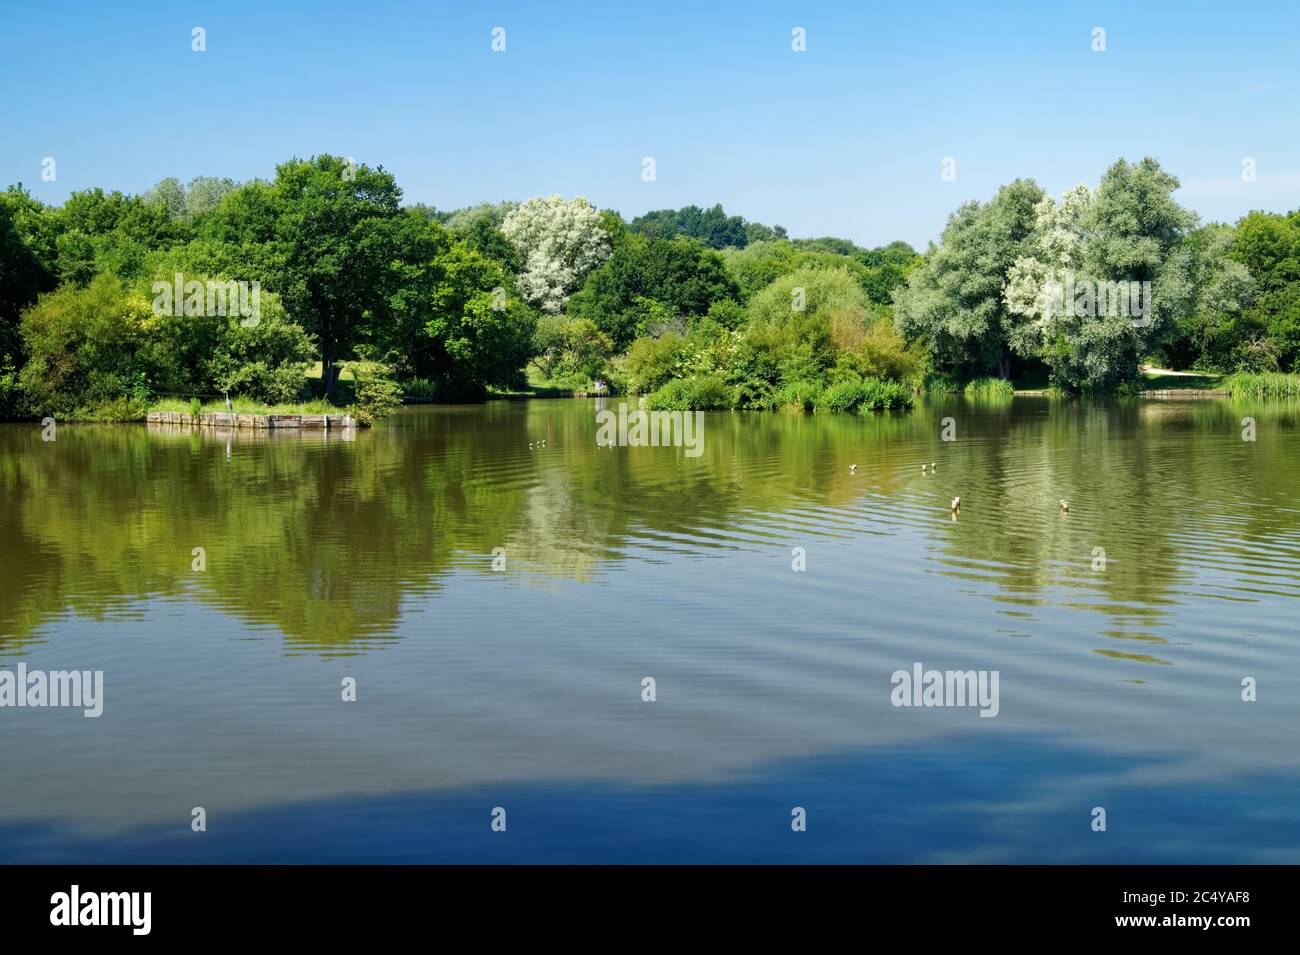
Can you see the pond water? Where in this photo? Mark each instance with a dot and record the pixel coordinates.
(1121, 632)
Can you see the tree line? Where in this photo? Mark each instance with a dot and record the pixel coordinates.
(1016, 285)
(693, 307)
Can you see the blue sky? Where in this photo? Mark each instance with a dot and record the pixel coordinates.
(844, 139)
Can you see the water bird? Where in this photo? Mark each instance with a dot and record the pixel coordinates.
(229, 406)
(853, 469)
(1065, 505)
(956, 504)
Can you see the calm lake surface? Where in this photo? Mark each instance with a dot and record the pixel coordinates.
(372, 558)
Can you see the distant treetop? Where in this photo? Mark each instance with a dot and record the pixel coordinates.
(713, 227)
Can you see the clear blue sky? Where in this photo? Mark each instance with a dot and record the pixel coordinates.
(845, 139)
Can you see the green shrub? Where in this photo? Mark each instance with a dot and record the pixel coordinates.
(652, 362)
(265, 362)
(843, 396)
(264, 383)
(882, 395)
(711, 393)
(869, 394)
(85, 350)
(1255, 356)
(728, 314)
(570, 350)
(704, 393)
(802, 394)
(377, 394)
(121, 408)
(675, 395)
(754, 394)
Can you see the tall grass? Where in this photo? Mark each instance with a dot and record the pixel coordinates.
(420, 390)
(989, 388)
(1272, 384)
(246, 406)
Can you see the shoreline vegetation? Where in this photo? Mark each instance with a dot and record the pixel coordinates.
(271, 421)
(188, 297)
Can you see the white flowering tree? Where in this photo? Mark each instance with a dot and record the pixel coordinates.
(559, 243)
(1128, 232)
(1034, 282)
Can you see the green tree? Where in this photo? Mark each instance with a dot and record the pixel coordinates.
(713, 227)
(757, 232)
(27, 256)
(110, 232)
(1268, 245)
(27, 268)
(322, 235)
(479, 227)
(678, 274)
(1213, 330)
(457, 315)
(170, 194)
(878, 271)
(263, 361)
(205, 193)
(953, 301)
(481, 329)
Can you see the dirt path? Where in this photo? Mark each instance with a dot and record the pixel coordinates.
(1151, 370)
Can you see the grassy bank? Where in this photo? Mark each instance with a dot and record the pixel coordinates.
(540, 386)
(710, 393)
(245, 406)
(1160, 380)
(1239, 384)
(1264, 385)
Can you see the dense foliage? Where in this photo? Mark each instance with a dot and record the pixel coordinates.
(648, 282)
(1089, 286)
(692, 307)
(343, 273)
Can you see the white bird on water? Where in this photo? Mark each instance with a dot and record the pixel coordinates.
(853, 469)
(1065, 505)
(956, 504)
